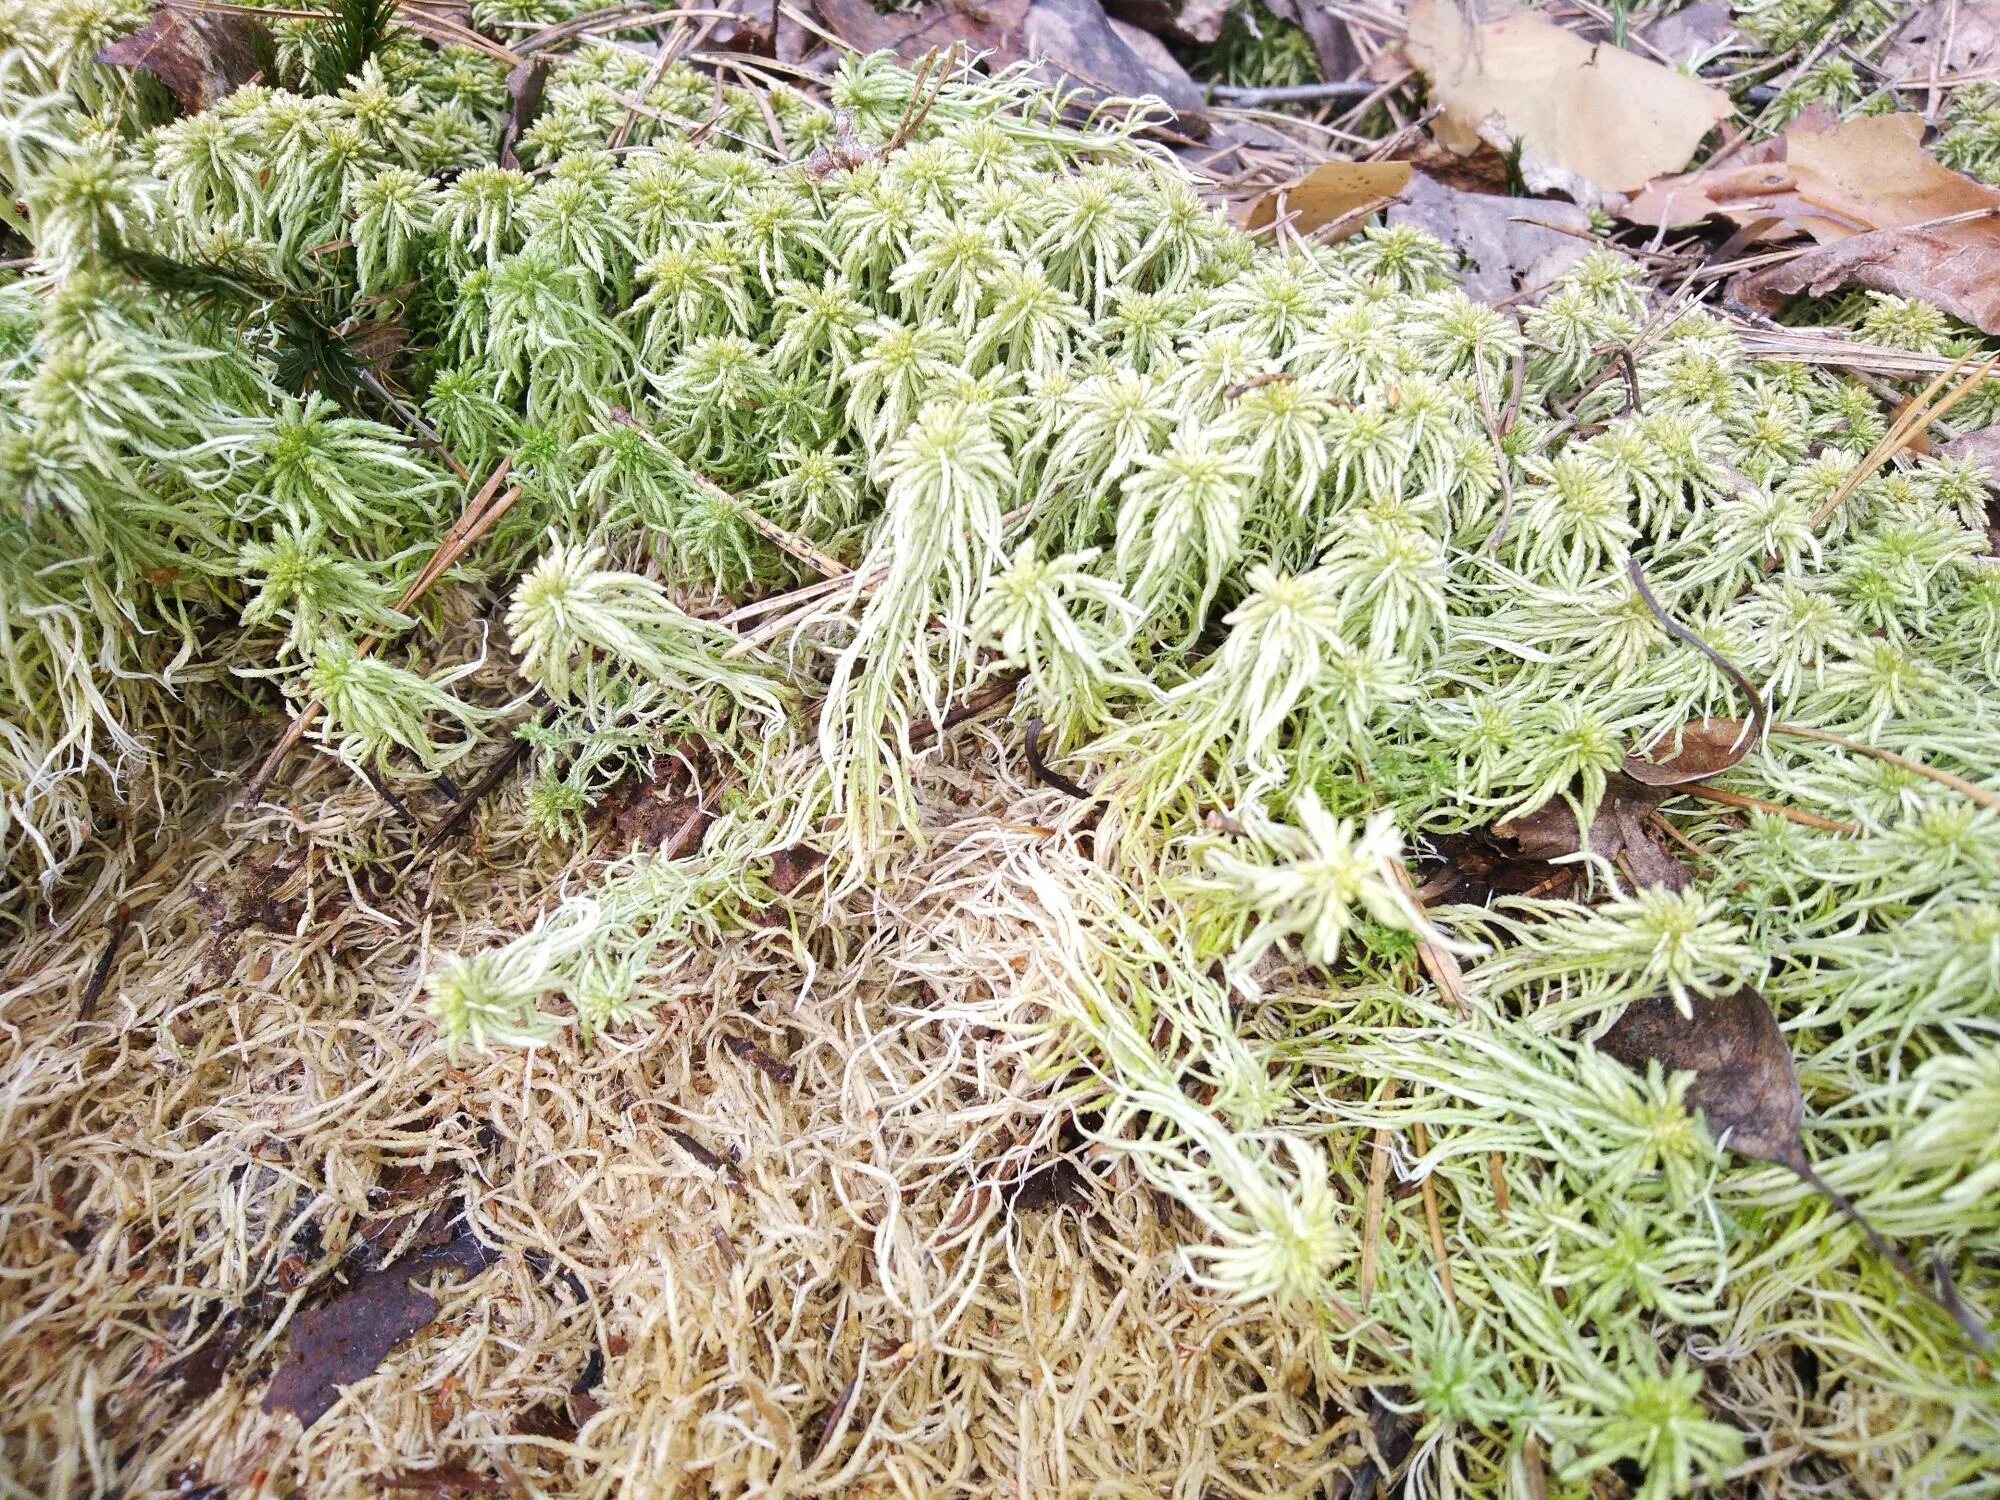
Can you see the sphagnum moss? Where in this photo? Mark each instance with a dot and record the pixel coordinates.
(1283, 590)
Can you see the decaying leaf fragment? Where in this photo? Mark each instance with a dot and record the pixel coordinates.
(1746, 1086)
(1955, 266)
(1329, 193)
(1508, 245)
(343, 1340)
(1943, 39)
(1618, 833)
(1592, 121)
(1872, 196)
(995, 27)
(1745, 1083)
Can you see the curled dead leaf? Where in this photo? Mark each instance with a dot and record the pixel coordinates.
(1956, 267)
(1705, 748)
(1593, 121)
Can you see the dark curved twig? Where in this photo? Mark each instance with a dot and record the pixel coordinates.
(1040, 768)
(1945, 1296)
(1759, 714)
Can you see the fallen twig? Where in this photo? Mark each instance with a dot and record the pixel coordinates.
(1241, 97)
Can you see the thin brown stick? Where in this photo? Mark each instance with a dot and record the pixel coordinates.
(1438, 962)
(1757, 804)
(100, 973)
(1919, 414)
(474, 522)
(1371, 1214)
(1434, 1218)
(978, 703)
(494, 774)
(1977, 793)
(771, 531)
(1758, 712)
(1041, 772)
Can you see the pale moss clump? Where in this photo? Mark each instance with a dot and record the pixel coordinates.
(803, 453)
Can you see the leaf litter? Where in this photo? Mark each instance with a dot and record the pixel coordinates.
(1591, 120)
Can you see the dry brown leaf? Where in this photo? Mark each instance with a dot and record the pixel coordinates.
(200, 55)
(1329, 193)
(1833, 180)
(336, 1344)
(1957, 270)
(1746, 1087)
(442, 21)
(1592, 121)
(1744, 1080)
(525, 82)
(1875, 170)
(1509, 245)
(1943, 40)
